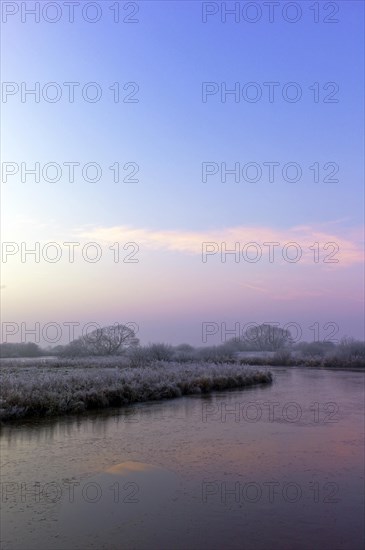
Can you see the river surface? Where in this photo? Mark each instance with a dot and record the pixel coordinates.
(268, 467)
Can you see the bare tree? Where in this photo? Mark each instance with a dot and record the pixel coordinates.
(267, 337)
(109, 340)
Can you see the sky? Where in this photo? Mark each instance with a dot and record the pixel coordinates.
(182, 133)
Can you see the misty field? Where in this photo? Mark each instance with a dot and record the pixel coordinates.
(62, 387)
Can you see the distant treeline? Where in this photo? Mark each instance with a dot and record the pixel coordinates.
(262, 345)
(28, 349)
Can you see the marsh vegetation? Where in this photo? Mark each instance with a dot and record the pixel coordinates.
(74, 386)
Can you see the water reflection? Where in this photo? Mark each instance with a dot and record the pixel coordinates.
(206, 472)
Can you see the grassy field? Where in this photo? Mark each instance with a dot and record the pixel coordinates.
(43, 388)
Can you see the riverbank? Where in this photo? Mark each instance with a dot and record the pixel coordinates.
(282, 360)
(51, 390)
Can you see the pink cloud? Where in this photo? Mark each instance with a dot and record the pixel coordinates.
(344, 246)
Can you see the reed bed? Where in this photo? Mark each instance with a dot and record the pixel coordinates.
(49, 389)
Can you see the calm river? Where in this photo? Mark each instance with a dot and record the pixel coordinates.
(276, 467)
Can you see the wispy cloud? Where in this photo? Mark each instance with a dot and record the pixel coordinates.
(346, 246)
(255, 287)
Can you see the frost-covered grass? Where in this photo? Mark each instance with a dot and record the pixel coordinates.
(68, 386)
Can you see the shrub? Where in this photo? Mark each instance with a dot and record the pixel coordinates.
(159, 352)
(215, 354)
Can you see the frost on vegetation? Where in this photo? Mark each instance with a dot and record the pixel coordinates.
(75, 386)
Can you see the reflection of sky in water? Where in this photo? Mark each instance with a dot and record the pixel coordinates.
(126, 497)
(174, 458)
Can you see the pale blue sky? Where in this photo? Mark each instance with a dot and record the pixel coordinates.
(170, 132)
